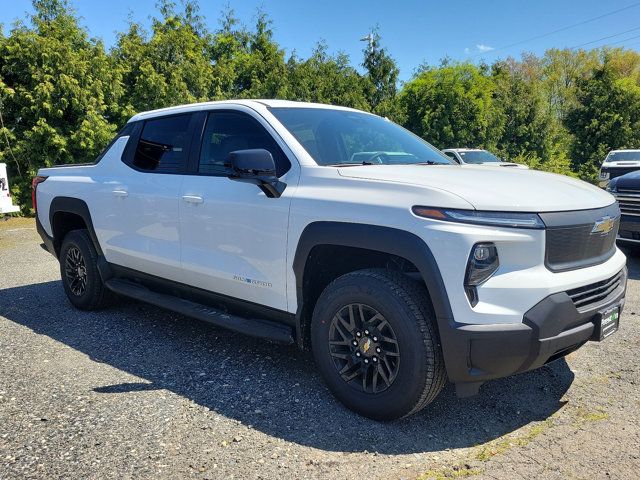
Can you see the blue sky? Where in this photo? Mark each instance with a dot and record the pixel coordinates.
(413, 31)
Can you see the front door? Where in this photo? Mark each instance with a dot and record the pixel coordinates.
(234, 238)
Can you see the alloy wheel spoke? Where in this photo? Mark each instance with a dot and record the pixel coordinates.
(365, 373)
(352, 320)
(350, 371)
(385, 379)
(374, 381)
(342, 356)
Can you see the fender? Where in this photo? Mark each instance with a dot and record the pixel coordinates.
(80, 208)
(382, 239)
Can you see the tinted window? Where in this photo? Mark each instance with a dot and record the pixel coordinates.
(338, 137)
(227, 132)
(163, 145)
(478, 156)
(452, 156)
(630, 155)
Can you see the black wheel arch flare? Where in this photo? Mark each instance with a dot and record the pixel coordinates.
(77, 207)
(380, 239)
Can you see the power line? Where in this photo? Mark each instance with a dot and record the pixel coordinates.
(622, 41)
(537, 37)
(605, 38)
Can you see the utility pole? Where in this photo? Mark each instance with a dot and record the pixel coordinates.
(368, 38)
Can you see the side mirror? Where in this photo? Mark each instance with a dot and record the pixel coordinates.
(256, 166)
(253, 163)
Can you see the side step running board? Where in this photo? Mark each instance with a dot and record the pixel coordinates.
(257, 328)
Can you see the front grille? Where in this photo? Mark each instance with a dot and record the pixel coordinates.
(629, 201)
(571, 242)
(619, 171)
(596, 294)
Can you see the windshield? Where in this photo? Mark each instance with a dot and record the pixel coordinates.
(341, 137)
(478, 156)
(618, 156)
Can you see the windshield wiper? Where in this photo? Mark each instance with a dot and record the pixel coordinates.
(351, 164)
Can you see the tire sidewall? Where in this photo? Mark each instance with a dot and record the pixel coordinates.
(398, 399)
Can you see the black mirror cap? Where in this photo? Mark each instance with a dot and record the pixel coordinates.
(252, 163)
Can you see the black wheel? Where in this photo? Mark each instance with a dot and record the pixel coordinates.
(79, 271)
(375, 342)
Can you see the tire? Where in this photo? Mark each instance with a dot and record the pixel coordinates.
(78, 258)
(406, 315)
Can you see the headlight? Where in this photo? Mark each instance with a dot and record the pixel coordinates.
(498, 219)
(611, 187)
(483, 262)
(604, 175)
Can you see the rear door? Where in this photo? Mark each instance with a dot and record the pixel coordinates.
(143, 198)
(234, 238)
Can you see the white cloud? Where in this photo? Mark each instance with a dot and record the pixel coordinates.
(484, 48)
(467, 51)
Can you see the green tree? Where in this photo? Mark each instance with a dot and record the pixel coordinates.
(525, 119)
(382, 76)
(606, 117)
(172, 67)
(451, 106)
(247, 64)
(326, 78)
(60, 95)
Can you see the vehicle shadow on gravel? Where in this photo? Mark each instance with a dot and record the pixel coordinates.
(273, 388)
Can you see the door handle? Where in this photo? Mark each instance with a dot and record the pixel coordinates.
(192, 199)
(120, 193)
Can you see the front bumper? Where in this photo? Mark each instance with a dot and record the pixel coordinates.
(551, 329)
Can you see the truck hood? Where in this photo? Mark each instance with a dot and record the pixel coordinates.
(630, 181)
(492, 188)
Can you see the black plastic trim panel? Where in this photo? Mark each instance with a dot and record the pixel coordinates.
(77, 207)
(225, 303)
(550, 330)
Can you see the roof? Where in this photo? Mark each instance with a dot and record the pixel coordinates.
(256, 104)
(625, 150)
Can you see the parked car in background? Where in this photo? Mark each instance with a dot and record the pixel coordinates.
(475, 156)
(618, 163)
(626, 189)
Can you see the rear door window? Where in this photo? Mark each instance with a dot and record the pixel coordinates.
(163, 146)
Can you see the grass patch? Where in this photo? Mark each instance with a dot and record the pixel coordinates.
(498, 447)
(456, 471)
(586, 415)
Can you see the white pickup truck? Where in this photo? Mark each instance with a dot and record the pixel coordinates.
(344, 233)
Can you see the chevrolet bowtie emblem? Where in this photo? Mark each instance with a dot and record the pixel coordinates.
(603, 226)
(366, 346)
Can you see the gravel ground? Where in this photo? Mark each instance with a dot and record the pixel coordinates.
(138, 392)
